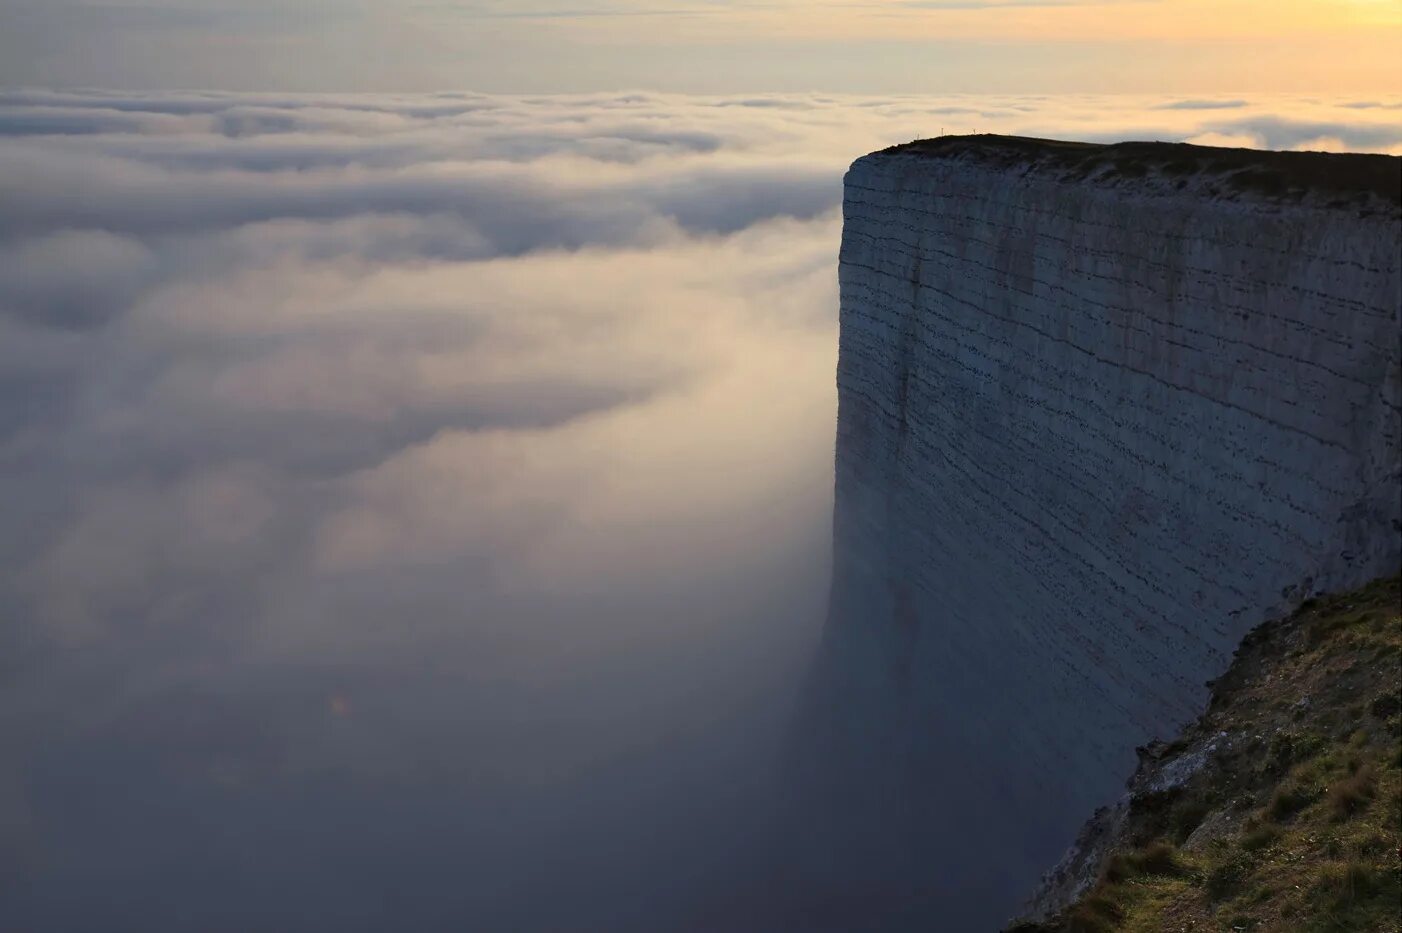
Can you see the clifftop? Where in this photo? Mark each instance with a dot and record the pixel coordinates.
(1372, 183)
(1097, 419)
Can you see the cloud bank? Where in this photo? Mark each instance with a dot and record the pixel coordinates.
(417, 506)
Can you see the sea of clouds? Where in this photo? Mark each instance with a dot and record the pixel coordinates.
(416, 508)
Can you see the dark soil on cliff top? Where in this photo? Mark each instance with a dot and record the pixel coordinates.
(1346, 180)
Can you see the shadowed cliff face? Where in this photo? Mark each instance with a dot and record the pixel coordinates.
(1094, 424)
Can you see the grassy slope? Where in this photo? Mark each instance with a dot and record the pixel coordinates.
(1296, 822)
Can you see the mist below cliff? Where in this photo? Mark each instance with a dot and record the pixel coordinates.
(418, 508)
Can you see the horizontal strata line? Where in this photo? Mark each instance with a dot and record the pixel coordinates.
(1145, 373)
(974, 194)
(854, 231)
(957, 222)
(1078, 306)
(1070, 645)
(1162, 440)
(934, 394)
(1126, 453)
(1168, 416)
(988, 302)
(924, 255)
(926, 312)
(1066, 481)
(1067, 532)
(1063, 596)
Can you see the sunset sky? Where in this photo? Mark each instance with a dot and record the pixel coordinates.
(1329, 46)
(417, 423)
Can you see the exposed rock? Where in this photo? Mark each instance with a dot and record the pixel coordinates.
(1101, 411)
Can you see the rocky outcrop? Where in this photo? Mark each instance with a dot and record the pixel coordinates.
(1102, 409)
(1289, 778)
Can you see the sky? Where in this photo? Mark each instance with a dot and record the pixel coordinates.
(707, 46)
(417, 420)
(418, 506)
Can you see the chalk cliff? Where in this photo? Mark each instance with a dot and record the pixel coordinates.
(1102, 410)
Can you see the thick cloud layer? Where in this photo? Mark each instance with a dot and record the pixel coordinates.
(416, 507)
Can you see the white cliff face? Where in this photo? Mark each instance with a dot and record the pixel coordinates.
(1094, 425)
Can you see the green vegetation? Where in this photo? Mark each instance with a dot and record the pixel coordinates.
(1295, 824)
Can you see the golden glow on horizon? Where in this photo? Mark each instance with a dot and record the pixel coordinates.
(1260, 45)
(720, 46)
(995, 20)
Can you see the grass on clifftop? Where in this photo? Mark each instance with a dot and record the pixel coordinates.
(1296, 823)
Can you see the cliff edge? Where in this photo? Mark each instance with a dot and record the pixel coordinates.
(1102, 410)
(1279, 809)
(1369, 183)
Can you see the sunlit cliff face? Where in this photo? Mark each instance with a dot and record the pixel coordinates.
(417, 508)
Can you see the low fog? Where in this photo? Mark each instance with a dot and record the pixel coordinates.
(417, 509)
